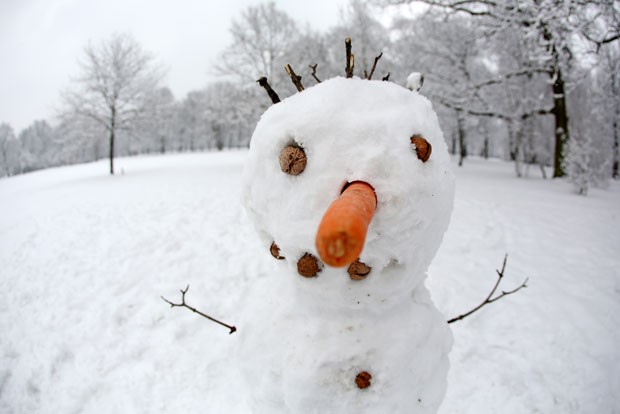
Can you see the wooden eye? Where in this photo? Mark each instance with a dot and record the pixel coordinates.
(422, 147)
(275, 251)
(292, 160)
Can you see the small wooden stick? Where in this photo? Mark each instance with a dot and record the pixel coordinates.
(350, 58)
(490, 299)
(185, 305)
(272, 94)
(374, 66)
(294, 77)
(313, 67)
(386, 77)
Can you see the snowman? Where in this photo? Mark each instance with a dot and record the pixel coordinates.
(349, 186)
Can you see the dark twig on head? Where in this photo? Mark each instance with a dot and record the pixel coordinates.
(185, 305)
(386, 77)
(374, 66)
(294, 77)
(313, 74)
(350, 58)
(272, 94)
(490, 299)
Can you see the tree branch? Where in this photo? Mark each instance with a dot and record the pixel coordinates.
(185, 305)
(490, 299)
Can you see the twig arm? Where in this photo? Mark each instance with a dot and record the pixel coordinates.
(204, 315)
(490, 299)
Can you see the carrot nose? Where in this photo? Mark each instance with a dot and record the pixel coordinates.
(342, 232)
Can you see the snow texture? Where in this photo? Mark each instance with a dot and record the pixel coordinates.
(84, 258)
(415, 81)
(330, 327)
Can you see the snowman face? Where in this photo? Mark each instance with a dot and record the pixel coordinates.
(352, 130)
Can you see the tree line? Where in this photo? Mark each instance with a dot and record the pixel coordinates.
(535, 82)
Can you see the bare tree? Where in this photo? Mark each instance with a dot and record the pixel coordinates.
(262, 40)
(554, 33)
(116, 78)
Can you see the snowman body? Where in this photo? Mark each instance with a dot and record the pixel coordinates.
(305, 340)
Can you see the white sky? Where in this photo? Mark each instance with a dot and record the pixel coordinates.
(41, 41)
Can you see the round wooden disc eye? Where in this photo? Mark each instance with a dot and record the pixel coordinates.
(422, 147)
(292, 160)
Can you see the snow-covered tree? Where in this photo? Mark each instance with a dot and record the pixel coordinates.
(155, 129)
(582, 168)
(116, 79)
(7, 139)
(555, 34)
(38, 149)
(191, 122)
(263, 37)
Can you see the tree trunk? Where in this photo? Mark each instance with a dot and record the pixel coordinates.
(112, 152)
(112, 130)
(453, 149)
(614, 168)
(517, 149)
(485, 147)
(461, 133)
(561, 122)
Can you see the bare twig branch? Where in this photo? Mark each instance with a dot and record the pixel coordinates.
(272, 94)
(374, 66)
(185, 305)
(490, 299)
(313, 74)
(350, 58)
(294, 77)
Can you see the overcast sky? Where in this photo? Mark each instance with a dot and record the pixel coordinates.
(41, 41)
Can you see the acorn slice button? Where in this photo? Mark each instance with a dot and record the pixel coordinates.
(308, 265)
(358, 270)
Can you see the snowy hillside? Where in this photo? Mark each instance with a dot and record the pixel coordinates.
(85, 257)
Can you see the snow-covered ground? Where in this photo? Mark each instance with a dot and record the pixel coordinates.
(85, 257)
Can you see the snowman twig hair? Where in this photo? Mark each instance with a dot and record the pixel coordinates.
(204, 315)
(348, 70)
(295, 78)
(374, 66)
(272, 94)
(313, 74)
(490, 299)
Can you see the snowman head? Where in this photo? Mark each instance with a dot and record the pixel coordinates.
(349, 131)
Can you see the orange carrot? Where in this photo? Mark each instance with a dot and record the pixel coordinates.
(341, 234)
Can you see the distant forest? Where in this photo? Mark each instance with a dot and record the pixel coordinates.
(533, 82)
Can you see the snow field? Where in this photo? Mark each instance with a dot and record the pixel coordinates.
(84, 258)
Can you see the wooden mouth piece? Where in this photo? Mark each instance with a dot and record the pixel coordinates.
(342, 231)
